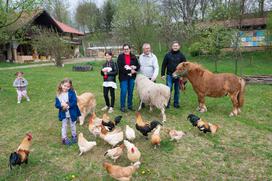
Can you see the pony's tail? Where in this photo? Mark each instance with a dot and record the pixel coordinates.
(241, 93)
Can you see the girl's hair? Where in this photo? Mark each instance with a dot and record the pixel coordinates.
(109, 53)
(17, 73)
(66, 80)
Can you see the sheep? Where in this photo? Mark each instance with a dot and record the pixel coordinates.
(152, 94)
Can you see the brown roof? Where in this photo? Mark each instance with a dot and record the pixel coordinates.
(234, 23)
(28, 18)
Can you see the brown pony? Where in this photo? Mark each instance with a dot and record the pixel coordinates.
(206, 83)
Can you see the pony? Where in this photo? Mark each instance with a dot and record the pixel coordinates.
(206, 83)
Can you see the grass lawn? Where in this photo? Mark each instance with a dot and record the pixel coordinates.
(241, 150)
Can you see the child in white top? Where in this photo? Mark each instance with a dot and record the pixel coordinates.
(21, 87)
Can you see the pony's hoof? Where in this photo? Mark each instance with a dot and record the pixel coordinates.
(232, 114)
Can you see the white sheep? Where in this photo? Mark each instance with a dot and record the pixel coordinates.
(152, 94)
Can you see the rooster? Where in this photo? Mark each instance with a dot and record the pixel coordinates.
(121, 173)
(110, 124)
(115, 153)
(176, 135)
(133, 152)
(155, 138)
(143, 126)
(84, 145)
(113, 138)
(94, 125)
(130, 133)
(202, 125)
(21, 155)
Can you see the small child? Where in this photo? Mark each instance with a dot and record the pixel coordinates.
(109, 72)
(66, 102)
(21, 85)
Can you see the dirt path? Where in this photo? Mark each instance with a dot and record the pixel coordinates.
(66, 61)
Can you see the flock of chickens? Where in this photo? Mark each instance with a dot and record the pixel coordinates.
(113, 135)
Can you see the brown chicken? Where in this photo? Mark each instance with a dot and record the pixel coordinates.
(94, 125)
(115, 153)
(143, 126)
(121, 173)
(202, 125)
(155, 138)
(21, 155)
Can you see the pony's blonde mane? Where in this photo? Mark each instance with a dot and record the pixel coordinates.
(196, 66)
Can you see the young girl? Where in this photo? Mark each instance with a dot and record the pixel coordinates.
(66, 102)
(21, 84)
(109, 72)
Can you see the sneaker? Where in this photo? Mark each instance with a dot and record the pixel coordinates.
(177, 106)
(74, 139)
(66, 141)
(110, 110)
(131, 109)
(122, 109)
(19, 102)
(27, 99)
(104, 108)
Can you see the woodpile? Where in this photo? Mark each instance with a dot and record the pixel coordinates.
(258, 79)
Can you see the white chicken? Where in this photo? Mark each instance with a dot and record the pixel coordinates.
(115, 153)
(94, 125)
(133, 152)
(113, 138)
(176, 135)
(130, 133)
(84, 145)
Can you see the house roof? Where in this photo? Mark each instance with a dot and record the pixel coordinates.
(67, 29)
(28, 18)
(234, 23)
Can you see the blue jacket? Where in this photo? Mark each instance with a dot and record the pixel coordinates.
(73, 108)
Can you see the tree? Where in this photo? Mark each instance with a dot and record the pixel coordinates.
(136, 23)
(48, 42)
(88, 16)
(108, 11)
(59, 10)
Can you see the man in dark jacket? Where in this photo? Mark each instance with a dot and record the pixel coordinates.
(170, 62)
(128, 66)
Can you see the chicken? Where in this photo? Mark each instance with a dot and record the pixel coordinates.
(84, 145)
(176, 135)
(143, 126)
(121, 173)
(202, 125)
(133, 152)
(115, 153)
(113, 138)
(110, 124)
(22, 152)
(155, 138)
(130, 133)
(94, 125)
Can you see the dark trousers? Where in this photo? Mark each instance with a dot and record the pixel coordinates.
(106, 91)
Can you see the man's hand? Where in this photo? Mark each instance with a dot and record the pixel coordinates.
(163, 77)
(133, 71)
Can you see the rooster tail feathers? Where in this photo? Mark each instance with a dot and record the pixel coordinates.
(154, 124)
(117, 119)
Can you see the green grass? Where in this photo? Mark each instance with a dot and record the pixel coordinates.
(241, 150)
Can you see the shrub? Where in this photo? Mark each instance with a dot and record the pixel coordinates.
(195, 49)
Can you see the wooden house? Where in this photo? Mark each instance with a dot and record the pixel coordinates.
(24, 52)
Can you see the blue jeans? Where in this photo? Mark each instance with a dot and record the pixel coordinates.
(169, 82)
(126, 86)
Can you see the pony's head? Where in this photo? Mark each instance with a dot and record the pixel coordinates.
(181, 70)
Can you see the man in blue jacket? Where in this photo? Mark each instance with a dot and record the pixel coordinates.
(170, 62)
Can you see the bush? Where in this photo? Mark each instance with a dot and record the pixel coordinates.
(195, 49)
